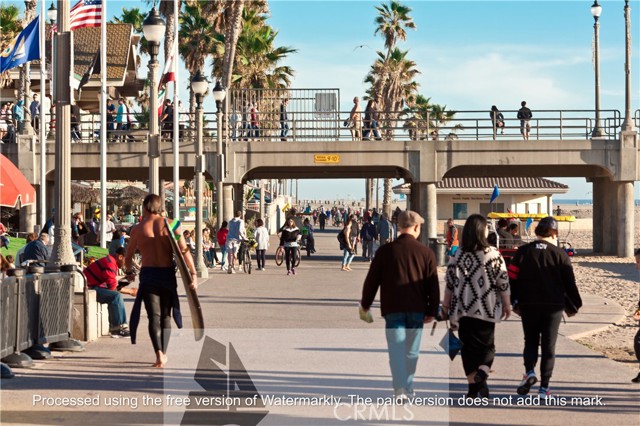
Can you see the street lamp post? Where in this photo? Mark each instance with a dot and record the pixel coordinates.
(628, 121)
(199, 86)
(153, 27)
(596, 10)
(52, 14)
(218, 95)
(62, 253)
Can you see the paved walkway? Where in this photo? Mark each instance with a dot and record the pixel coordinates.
(299, 336)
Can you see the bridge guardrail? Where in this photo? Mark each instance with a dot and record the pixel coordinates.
(311, 126)
(35, 309)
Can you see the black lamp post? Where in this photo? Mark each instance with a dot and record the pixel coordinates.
(153, 28)
(199, 85)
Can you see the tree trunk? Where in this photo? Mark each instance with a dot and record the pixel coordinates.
(369, 192)
(386, 198)
(232, 33)
(166, 9)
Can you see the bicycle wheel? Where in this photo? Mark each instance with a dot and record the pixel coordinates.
(279, 255)
(246, 263)
(297, 259)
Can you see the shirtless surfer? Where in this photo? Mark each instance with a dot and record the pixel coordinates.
(158, 285)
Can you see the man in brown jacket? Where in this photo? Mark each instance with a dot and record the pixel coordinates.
(406, 272)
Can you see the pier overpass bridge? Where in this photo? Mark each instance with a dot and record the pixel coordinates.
(560, 146)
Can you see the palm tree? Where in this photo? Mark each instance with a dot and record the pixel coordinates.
(391, 22)
(10, 24)
(134, 17)
(197, 40)
(388, 76)
(439, 117)
(257, 63)
(166, 9)
(232, 32)
(417, 112)
(10, 27)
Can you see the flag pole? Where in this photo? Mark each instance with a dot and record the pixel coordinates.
(42, 204)
(176, 116)
(103, 125)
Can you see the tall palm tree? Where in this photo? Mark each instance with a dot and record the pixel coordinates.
(10, 27)
(166, 9)
(392, 21)
(232, 32)
(197, 40)
(258, 60)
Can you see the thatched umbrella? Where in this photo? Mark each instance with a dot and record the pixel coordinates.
(128, 196)
(84, 194)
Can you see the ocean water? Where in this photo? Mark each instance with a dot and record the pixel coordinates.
(578, 202)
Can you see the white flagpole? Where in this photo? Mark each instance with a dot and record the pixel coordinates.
(42, 120)
(176, 117)
(103, 125)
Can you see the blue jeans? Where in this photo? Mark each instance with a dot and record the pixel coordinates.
(284, 129)
(404, 333)
(347, 257)
(117, 314)
(223, 251)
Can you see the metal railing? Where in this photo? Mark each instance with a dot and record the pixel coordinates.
(308, 126)
(35, 309)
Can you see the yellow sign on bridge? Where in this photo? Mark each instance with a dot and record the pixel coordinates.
(326, 158)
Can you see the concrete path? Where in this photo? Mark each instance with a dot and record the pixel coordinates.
(299, 337)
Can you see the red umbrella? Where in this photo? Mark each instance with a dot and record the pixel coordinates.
(15, 189)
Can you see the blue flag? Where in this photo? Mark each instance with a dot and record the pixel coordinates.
(528, 224)
(496, 193)
(25, 48)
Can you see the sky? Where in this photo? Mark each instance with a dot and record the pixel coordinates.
(471, 54)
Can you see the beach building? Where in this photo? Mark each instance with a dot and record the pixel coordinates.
(459, 197)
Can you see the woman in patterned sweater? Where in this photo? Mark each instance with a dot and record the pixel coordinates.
(476, 298)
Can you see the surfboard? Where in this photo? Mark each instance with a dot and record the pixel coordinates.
(192, 295)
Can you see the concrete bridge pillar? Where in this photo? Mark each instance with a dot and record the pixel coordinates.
(626, 219)
(227, 204)
(599, 206)
(423, 201)
(610, 218)
(238, 197)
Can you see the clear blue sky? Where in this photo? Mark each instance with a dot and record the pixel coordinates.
(472, 54)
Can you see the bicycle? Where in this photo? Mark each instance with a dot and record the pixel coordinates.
(280, 256)
(244, 255)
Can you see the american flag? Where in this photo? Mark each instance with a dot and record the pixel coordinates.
(86, 13)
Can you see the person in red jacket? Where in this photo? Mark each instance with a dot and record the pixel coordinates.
(102, 277)
(221, 236)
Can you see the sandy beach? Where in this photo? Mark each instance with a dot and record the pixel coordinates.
(611, 277)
